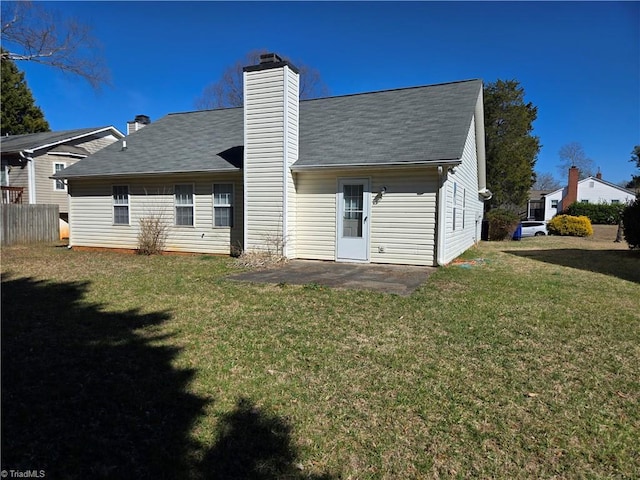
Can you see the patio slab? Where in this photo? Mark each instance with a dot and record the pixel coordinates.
(396, 279)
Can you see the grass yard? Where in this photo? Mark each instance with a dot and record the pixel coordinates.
(523, 365)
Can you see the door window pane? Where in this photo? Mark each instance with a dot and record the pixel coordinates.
(352, 210)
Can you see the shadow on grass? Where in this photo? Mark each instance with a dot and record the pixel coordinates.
(88, 393)
(624, 264)
(252, 444)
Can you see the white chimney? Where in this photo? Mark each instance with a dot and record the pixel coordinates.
(137, 123)
(271, 106)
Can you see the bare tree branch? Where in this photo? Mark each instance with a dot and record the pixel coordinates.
(546, 181)
(572, 154)
(228, 92)
(37, 35)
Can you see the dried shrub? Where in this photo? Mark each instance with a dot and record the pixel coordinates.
(152, 236)
(570, 225)
(259, 259)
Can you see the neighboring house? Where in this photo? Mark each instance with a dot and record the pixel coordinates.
(29, 161)
(589, 190)
(535, 205)
(393, 176)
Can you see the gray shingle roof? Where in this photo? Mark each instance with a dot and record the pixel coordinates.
(412, 125)
(34, 141)
(205, 141)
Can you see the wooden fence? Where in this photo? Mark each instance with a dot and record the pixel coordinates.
(22, 224)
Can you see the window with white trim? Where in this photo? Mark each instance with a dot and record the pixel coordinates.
(554, 203)
(184, 205)
(455, 203)
(615, 202)
(59, 185)
(464, 205)
(223, 205)
(120, 195)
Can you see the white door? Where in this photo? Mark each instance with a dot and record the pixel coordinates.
(354, 210)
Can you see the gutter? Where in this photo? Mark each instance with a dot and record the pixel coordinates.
(416, 164)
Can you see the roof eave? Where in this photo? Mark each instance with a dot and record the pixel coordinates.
(343, 166)
(61, 174)
(116, 132)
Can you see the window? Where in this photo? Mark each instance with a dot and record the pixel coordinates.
(455, 203)
(464, 205)
(59, 184)
(584, 201)
(615, 202)
(184, 205)
(223, 205)
(592, 184)
(554, 203)
(120, 194)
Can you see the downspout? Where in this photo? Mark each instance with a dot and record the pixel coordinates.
(245, 221)
(481, 149)
(31, 176)
(441, 223)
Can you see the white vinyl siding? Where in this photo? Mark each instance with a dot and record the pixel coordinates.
(91, 214)
(270, 147)
(461, 233)
(120, 194)
(402, 223)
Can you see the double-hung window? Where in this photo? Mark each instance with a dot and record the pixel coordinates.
(120, 194)
(58, 185)
(223, 205)
(184, 205)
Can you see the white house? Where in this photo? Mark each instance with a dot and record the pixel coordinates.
(394, 176)
(588, 190)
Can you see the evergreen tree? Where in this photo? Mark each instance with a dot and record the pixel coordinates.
(511, 148)
(20, 114)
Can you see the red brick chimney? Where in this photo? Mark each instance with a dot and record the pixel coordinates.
(572, 188)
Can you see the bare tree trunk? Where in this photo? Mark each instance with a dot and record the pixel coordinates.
(619, 236)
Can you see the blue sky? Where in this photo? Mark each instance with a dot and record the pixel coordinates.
(579, 62)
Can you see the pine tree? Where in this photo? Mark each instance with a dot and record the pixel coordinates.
(20, 114)
(511, 148)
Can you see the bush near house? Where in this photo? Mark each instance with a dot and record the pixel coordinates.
(502, 223)
(570, 225)
(631, 223)
(598, 213)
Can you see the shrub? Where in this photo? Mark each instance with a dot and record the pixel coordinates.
(570, 225)
(502, 223)
(152, 235)
(598, 213)
(631, 223)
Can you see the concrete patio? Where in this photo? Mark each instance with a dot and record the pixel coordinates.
(395, 279)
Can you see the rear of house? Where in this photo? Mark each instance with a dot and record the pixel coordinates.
(394, 176)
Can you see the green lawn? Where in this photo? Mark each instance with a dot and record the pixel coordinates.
(523, 365)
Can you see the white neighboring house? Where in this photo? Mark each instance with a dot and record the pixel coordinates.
(395, 176)
(589, 190)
